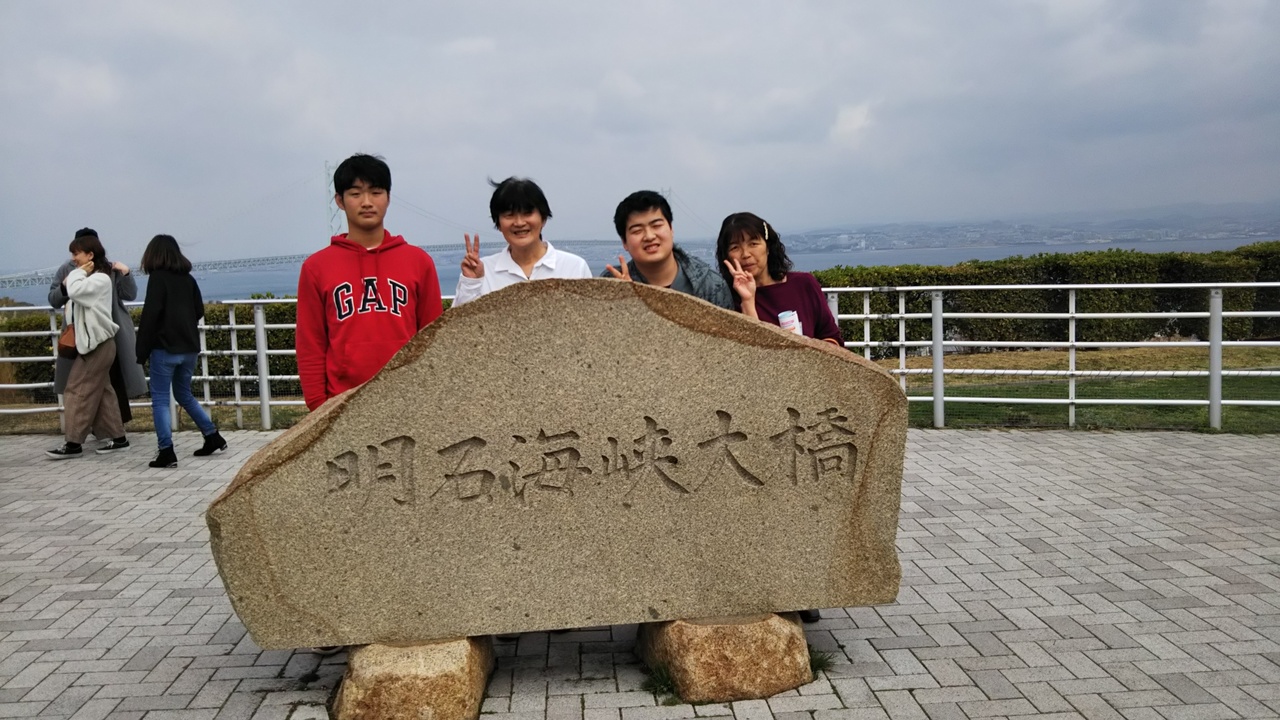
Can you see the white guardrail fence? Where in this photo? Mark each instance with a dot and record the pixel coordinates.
(937, 345)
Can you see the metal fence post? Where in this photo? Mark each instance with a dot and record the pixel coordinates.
(833, 304)
(1071, 359)
(204, 363)
(53, 348)
(264, 370)
(902, 340)
(235, 364)
(1215, 358)
(939, 408)
(866, 324)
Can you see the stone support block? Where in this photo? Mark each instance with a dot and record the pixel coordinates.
(727, 659)
(435, 681)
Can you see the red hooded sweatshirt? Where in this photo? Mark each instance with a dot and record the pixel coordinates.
(357, 308)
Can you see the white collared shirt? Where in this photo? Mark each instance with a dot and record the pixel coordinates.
(501, 271)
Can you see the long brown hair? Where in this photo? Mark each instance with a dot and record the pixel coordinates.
(87, 241)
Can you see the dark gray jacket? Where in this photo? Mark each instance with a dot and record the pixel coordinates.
(123, 287)
(706, 282)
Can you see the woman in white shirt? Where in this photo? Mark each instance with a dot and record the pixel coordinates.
(89, 399)
(519, 210)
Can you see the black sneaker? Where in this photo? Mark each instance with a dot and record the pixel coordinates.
(810, 616)
(119, 443)
(66, 452)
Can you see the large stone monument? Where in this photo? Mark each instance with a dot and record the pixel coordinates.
(570, 453)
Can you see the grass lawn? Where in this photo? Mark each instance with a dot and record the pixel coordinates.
(223, 417)
(1234, 419)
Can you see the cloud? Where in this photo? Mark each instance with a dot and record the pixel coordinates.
(469, 46)
(214, 122)
(851, 124)
(65, 85)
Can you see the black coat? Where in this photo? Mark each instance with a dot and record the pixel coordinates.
(170, 314)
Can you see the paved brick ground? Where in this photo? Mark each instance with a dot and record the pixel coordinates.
(1048, 574)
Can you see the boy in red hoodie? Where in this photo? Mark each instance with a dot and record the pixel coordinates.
(364, 296)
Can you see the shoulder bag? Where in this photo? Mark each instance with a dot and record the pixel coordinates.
(67, 342)
(66, 345)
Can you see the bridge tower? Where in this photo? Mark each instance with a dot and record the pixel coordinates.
(336, 218)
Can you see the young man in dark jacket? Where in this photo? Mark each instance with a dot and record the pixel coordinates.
(643, 221)
(363, 297)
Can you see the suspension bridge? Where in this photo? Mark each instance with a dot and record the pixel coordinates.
(44, 278)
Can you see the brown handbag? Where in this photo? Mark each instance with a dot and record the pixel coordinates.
(67, 342)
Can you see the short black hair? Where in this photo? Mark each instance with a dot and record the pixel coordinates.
(639, 202)
(740, 226)
(163, 253)
(89, 243)
(372, 169)
(520, 195)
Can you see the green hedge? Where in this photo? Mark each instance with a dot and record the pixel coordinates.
(246, 340)
(37, 372)
(1259, 262)
(1267, 256)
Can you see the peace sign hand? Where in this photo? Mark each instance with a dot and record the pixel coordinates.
(472, 266)
(623, 274)
(743, 283)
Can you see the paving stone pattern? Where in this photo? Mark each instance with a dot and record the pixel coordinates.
(1126, 576)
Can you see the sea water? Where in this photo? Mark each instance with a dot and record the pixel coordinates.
(282, 281)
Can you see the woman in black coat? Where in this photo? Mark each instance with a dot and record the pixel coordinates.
(169, 339)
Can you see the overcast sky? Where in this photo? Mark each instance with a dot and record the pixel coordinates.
(213, 121)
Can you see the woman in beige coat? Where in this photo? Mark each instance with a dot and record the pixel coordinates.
(127, 377)
(89, 398)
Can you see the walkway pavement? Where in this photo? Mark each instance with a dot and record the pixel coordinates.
(1045, 574)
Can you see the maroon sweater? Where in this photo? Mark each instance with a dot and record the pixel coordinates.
(801, 293)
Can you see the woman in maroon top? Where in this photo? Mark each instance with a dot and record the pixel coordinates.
(755, 264)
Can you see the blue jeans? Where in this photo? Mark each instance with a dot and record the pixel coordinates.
(174, 369)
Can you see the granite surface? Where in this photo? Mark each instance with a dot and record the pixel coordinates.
(436, 681)
(568, 453)
(718, 660)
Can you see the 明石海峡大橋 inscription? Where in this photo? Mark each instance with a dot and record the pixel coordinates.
(571, 453)
(520, 468)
